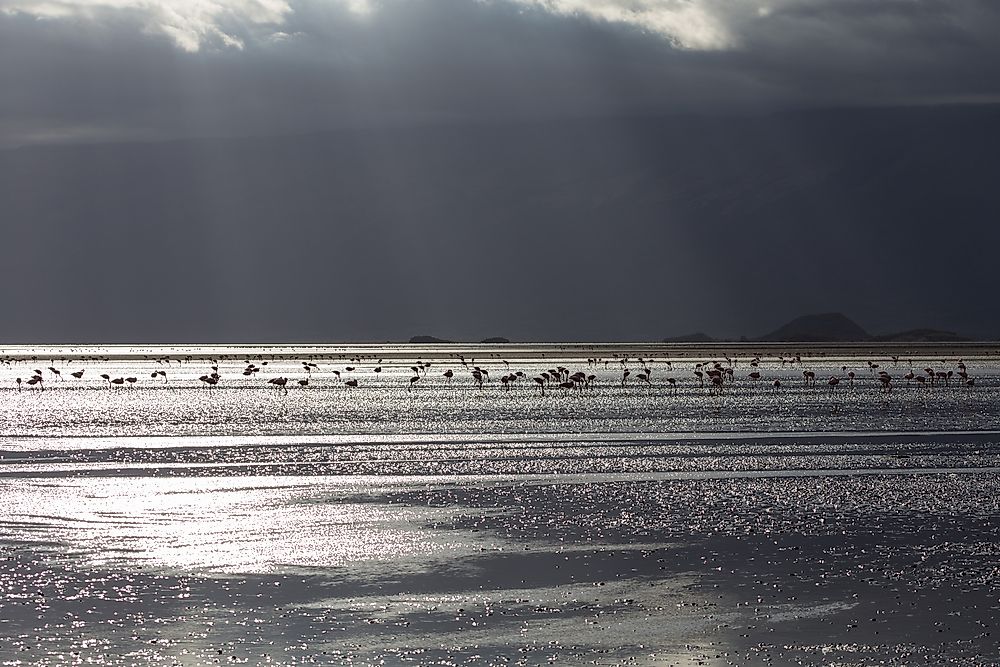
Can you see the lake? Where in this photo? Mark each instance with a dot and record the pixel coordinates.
(584, 504)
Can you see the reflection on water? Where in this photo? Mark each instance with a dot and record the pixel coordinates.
(176, 521)
(217, 524)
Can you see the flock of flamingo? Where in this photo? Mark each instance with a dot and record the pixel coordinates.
(714, 376)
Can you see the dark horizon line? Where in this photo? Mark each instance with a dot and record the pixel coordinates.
(715, 342)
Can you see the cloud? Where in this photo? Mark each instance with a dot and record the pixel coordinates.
(691, 25)
(154, 69)
(687, 25)
(190, 24)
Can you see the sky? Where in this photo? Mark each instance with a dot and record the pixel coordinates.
(312, 170)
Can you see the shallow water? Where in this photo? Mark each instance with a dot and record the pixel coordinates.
(436, 522)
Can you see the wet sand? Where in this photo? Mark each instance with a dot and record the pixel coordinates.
(847, 570)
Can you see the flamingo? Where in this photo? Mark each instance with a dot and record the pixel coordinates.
(77, 374)
(448, 374)
(413, 381)
(351, 383)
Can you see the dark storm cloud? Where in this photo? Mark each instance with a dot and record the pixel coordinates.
(319, 64)
(568, 169)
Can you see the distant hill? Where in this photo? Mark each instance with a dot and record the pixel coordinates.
(834, 328)
(827, 327)
(428, 339)
(923, 336)
(691, 338)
